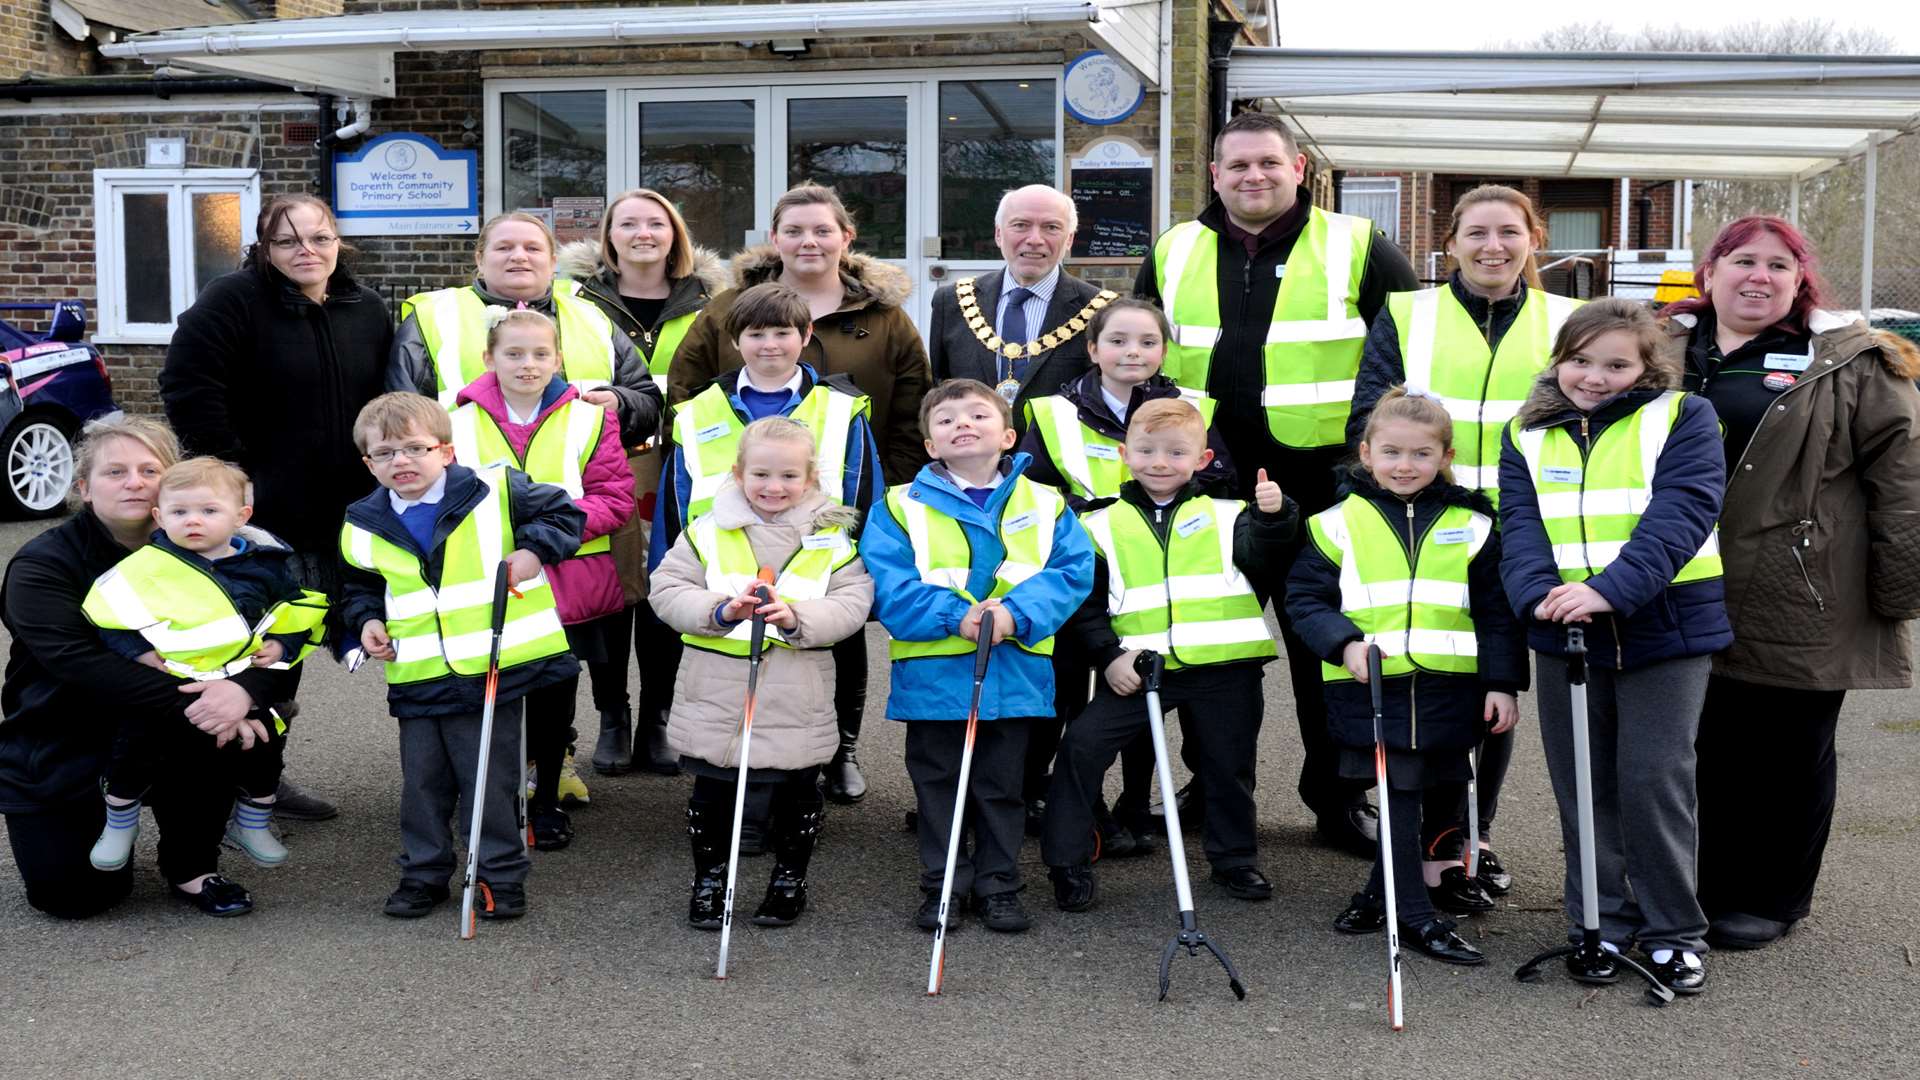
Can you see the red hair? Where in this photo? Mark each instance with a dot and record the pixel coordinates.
(1813, 288)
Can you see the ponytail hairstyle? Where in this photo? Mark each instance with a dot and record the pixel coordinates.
(1417, 407)
(1500, 193)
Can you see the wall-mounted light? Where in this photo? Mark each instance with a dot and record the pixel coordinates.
(789, 47)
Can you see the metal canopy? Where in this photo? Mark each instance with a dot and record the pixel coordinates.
(353, 54)
(1648, 115)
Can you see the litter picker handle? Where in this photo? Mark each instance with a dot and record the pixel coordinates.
(980, 651)
(1149, 665)
(500, 590)
(764, 590)
(1576, 656)
(1373, 688)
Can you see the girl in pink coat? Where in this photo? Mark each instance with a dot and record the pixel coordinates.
(524, 414)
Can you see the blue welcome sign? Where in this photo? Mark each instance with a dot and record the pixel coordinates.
(406, 184)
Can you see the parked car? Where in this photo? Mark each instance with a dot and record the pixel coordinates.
(53, 384)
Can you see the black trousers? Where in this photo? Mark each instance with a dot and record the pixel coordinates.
(1070, 667)
(994, 812)
(144, 746)
(850, 684)
(1446, 804)
(550, 711)
(1767, 782)
(1220, 723)
(50, 849)
(608, 678)
(1413, 905)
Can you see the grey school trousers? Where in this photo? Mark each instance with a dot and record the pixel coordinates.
(437, 760)
(1641, 727)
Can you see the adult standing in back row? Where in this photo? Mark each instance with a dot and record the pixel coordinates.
(1270, 298)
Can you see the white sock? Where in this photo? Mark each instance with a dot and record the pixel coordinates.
(1661, 956)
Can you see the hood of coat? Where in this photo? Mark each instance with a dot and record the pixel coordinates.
(1546, 405)
(731, 510)
(580, 261)
(868, 281)
(1361, 483)
(1844, 338)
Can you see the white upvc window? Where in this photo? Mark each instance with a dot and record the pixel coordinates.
(160, 235)
(1376, 198)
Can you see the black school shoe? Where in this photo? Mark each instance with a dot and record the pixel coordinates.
(1595, 971)
(1073, 887)
(1365, 914)
(1354, 829)
(1436, 938)
(1002, 912)
(928, 918)
(292, 804)
(552, 828)
(1493, 876)
(414, 899)
(1738, 930)
(217, 897)
(507, 900)
(1677, 975)
(1243, 882)
(1459, 895)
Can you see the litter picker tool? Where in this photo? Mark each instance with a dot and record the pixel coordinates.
(764, 590)
(1149, 665)
(937, 967)
(1374, 679)
(1589, 946)
(496, 625)
(1473, 814)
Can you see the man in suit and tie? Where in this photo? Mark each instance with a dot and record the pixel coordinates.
(1020, 329)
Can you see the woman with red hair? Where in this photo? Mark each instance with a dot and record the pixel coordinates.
(1820, 540)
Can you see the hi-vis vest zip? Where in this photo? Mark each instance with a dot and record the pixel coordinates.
(437, 632)
(707, 433)
(1590, 502)
(1186, 600)
(558, 453)
(732, 570)
(943, 556)
(453, 325)
(1088, 460)
(1482, 390)
(1313, 341)
(202, 636)
(1418, 611)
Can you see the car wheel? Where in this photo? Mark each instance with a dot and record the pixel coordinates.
(38, 453)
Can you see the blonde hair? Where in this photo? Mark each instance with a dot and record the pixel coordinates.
(1168, 414)
(1428, 412)
(779, 429)
(498, 317)
(1500, 193)
(158, 439)
(398, 414)
(497, 220)
(812, 194)
(207, 472)
(679, 253)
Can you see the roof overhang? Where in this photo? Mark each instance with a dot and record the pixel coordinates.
(1650, 115)
(353, 54)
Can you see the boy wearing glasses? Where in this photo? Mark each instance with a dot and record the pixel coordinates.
(420, 557)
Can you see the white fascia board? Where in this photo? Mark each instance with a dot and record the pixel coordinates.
(1129, 31)
(364, 73)
(1619, 109)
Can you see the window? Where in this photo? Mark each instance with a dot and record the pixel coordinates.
(160, 235)
(1573, 230)
(555, 157)
(1376, 198)
(995, 135)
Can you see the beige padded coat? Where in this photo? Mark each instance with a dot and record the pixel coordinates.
(793, 723)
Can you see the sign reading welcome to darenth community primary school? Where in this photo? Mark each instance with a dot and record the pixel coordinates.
(406, 184)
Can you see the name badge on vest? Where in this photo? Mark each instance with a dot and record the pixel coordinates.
(1192, 525)
(1280, 271)
(1562, 474)
(822, 541)
(1787, 361)
(1452, 536)
(710, 432)
(1018, 522)
(1104, 453)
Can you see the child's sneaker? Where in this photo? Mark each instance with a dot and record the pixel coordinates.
(552, 829)
(572, 788)
(115, 845)
(505, 900)
(249, 831)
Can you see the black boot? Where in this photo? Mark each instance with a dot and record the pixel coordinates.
(613, 755)
(708, 827)
(845, 782)
(794, 834)
(654, 756)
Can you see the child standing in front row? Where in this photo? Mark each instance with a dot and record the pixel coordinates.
(970, 547)
(420, 558)
(1610, 485)
(1410, 561)
(771, 514)
(524, 414)
(1075, 440)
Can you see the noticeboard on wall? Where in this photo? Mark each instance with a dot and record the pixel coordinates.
(1111, 181)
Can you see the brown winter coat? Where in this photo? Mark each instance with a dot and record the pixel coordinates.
(794, 725)
(869, 339)
(580, 261)
(1820, 534)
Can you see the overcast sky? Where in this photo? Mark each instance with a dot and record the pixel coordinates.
(1413, 24)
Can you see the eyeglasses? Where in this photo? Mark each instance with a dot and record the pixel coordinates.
(411, 453)
(286, 245)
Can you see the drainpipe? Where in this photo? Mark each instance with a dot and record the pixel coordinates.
(1220, 35)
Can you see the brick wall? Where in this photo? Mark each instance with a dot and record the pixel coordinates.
(297, 9)
(30, 44)
(46, 202)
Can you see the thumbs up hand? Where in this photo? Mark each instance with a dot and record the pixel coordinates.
(1267, 495)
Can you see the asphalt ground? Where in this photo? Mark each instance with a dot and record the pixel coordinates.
(603, 977)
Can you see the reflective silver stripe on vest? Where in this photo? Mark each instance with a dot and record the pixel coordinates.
(1179, 250)
(583, 426)
(133, 614)
(446, 362)
(952, 577)
(1073, 442)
